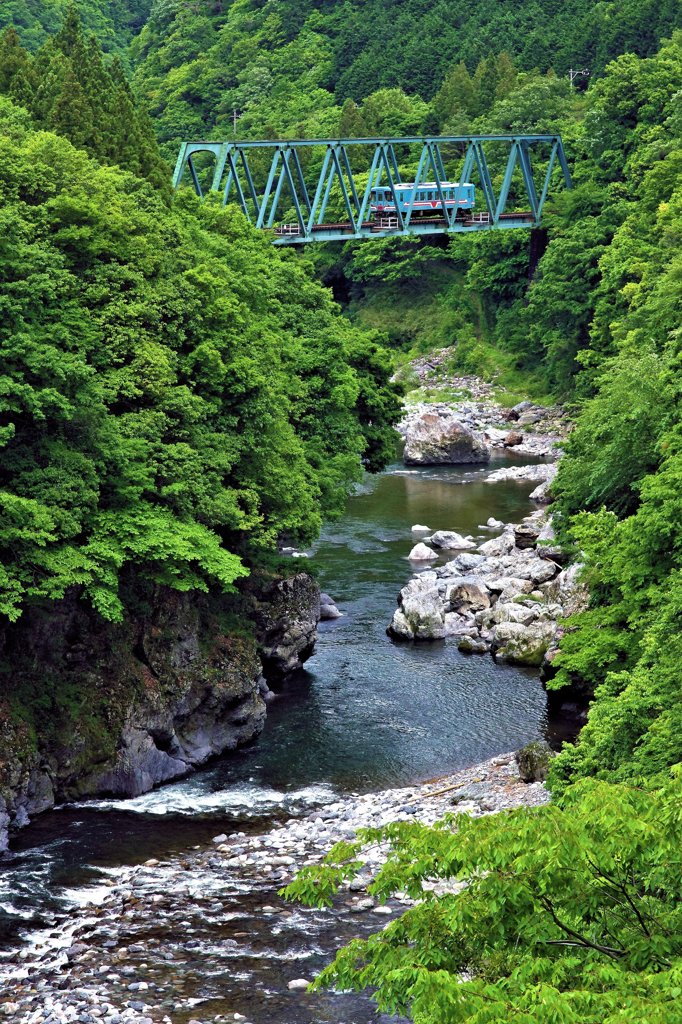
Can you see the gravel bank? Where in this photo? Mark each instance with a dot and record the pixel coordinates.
(92, 967)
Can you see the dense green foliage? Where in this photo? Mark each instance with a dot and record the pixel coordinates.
(618, 488)
(289, 67)
(178, 396)
(175, 393)
(566, 914)
(69, 88)
(114, 22)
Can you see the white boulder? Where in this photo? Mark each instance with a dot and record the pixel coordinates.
(451, 541)
(420, 553)
(440, 438)
(421, 612)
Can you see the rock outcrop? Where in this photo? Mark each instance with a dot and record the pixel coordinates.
(286, 613)
(440, 438)
(509, 598)
(95, 708)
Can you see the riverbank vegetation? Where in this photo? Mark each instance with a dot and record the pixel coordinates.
(178, 395)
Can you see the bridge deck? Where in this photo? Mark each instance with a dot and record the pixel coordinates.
(291, 186)
(292, 234)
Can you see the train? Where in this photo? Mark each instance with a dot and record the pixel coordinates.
(427, 199)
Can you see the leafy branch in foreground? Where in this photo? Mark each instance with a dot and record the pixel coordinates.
(568, 913)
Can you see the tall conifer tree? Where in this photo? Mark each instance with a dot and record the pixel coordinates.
(16, 77)
(69, 88)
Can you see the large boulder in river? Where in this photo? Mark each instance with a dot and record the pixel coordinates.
(421, 612)
(451, 541)
(421, 553)
(433, 440)
(522, 644)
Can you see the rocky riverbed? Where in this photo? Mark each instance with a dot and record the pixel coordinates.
(121, 957)
(465, 431)
(508, 595)
(476, 412)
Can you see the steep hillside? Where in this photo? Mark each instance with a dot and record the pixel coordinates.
(178, 399)
(289, 67)
(115, 24)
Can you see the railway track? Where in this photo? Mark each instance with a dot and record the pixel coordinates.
(391, 224)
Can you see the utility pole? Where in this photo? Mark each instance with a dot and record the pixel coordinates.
(574, 73)
(235, 118)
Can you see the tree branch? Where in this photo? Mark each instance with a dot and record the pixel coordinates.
(622, 888)
(578, 939)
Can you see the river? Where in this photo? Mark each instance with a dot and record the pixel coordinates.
(366, 714)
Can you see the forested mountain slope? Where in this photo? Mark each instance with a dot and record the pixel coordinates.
(69, 87)
(178, 396)
(290, 66)
(178, 399)
(114, 22)
(192, 391)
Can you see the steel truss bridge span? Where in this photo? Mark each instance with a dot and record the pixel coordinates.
(321, 190)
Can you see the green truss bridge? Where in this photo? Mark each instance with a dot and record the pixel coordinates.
(325, 190)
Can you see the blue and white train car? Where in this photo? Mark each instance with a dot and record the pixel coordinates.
(427, 199)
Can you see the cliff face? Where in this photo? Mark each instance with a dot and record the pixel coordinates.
(90, 708)
(286, 613)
